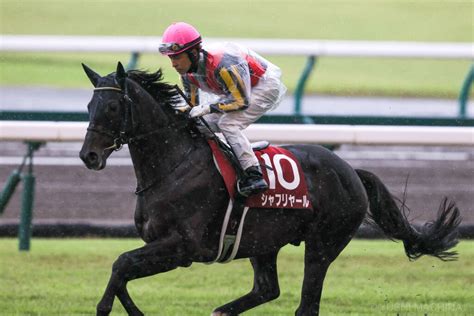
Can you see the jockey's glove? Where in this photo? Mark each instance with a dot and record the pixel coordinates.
(181, 106)
(200, 110)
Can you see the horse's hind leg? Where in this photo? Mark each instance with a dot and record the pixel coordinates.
(315, 268)
(320, 252)
(265, 287)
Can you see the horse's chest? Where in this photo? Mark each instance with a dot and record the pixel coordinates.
(159, 213)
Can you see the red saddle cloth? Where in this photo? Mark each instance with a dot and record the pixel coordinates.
(286, 181)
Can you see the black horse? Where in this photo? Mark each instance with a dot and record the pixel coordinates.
(181, 199)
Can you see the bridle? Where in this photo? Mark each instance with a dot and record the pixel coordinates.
(126, 134)
(122, 138)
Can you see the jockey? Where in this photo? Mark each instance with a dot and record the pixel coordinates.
(243, 84)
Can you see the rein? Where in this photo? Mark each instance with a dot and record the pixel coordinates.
(108, 88)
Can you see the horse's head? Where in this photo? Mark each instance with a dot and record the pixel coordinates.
(111, 122)
(106, 110)
(126, 108)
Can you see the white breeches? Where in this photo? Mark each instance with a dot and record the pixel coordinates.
(265, 96)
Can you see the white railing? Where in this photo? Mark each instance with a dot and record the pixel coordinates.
(275, 133)
(149, 44)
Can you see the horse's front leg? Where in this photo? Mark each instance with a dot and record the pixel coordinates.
(155, 257)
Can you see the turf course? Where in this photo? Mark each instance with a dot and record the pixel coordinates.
(67, 277)
(399, 20)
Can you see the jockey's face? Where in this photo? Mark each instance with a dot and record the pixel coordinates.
(181, 63)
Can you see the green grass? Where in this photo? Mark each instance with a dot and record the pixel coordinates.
(67, 277)
(416, 20)
(403, 20)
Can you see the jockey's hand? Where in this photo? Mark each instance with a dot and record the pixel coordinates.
(200, 110)
(181, 107)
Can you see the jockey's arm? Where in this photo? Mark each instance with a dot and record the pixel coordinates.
(235, 82)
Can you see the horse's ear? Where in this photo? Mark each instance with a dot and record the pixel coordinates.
(120, 76)
(93, 76)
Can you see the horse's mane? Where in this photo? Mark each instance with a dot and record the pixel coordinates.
(153, 83)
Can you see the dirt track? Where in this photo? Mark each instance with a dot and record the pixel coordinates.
(73, 193)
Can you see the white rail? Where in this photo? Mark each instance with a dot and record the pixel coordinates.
(276, 133)
(149, 44)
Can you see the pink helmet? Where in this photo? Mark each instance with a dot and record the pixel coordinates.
(179, 37)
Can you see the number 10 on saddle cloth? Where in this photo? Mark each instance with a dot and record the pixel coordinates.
(281, 170)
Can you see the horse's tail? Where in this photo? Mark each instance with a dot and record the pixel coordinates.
(434, 238)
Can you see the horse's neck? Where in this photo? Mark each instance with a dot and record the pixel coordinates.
(164, 154)
(159, 156)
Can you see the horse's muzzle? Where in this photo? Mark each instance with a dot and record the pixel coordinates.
(92, 160)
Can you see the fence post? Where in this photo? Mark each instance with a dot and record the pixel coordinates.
(302, 82)
(464, 94)
(24, 230)
(132, 63)
(9, 188)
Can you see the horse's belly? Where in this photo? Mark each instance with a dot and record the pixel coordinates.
(272, 229)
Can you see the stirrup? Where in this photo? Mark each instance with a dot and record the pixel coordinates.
(252, 189)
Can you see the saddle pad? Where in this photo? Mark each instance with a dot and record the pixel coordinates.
(287, 185)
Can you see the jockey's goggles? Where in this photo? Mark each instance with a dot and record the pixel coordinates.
(175, 48)
(170, 48)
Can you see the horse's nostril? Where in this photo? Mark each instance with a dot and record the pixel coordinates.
(92, 157)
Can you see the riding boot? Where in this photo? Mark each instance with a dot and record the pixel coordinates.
(252, 182)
